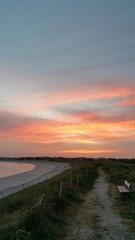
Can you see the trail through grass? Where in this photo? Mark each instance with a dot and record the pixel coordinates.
(96, 218)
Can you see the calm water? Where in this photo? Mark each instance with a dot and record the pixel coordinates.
(13, 168)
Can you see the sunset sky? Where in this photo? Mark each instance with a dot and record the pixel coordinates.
(67, 78)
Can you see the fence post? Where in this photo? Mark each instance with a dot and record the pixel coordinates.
(61, 186)
(77, 180)
(42, 200)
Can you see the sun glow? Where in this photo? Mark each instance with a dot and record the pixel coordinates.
(85, 151)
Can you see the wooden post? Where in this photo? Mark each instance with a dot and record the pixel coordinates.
(42, 200)
(70, 181)
(61, 186)
(77, 180)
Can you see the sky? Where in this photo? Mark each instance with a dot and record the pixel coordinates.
(67, 78)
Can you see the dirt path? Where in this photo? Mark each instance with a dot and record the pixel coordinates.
(96, 220)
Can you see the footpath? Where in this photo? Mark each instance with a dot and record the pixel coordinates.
(96, 219)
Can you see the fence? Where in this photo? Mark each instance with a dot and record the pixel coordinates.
(46, 199)
(59, 169)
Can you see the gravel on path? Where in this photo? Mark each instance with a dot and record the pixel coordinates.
(96, 219)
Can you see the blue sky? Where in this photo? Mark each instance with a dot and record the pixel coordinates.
(66, 62)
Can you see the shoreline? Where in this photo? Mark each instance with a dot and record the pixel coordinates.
(9, 169)
(42, 171)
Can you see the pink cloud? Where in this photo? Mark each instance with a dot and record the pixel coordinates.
(78, 127)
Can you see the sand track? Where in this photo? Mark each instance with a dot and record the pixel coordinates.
(96, 219)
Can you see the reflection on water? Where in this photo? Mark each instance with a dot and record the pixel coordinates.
(13, 168)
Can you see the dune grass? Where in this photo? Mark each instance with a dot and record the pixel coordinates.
(47, 221)
(125, 203)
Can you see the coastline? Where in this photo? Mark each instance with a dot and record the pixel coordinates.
(8, 169)
(42, 171)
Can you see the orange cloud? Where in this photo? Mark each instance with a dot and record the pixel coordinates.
(77, 96)
(87, 151)
(79, 133)
(34, 103)
(73, 126)
(87, 138)
(130, 101)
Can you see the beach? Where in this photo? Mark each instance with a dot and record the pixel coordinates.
(13, 168)
(40, 172)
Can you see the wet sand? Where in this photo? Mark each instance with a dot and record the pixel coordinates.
(13, 168)
(43, 170)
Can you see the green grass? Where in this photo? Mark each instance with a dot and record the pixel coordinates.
(125, 202)
(49, 221)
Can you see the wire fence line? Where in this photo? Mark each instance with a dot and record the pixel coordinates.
(45, 199)
(59, 169)
(17, 219)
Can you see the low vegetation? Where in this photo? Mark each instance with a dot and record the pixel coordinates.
(41, 212)
(47, 220)
(117, 173)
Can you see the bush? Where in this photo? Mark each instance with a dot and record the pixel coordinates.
(21, 235)
(72, 192)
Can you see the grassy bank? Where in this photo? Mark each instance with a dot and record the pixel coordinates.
(48, 219)
(125, 202)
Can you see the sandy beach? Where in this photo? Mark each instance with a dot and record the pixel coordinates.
(13, 168)
(42, 171)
